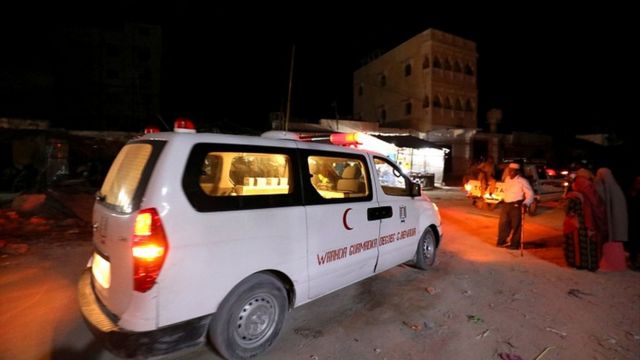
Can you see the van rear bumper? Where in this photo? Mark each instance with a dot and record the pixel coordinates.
(126, 343)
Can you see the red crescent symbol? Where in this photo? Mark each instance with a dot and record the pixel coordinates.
(344, 220)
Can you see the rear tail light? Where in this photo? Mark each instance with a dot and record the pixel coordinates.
(149, 249)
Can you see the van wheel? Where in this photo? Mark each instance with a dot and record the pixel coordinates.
(426, 253)
(250, 318)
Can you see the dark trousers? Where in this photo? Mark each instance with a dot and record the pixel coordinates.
(510, 221)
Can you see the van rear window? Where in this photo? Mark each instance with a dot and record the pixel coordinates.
(122, 181)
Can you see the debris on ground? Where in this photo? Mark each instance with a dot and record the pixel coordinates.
(474, 319)
(539, 357)
(14, 249)
(483, 334)
(507, 356)
(309, 333)
(377, 351)
(431, 290)
(577, 293)
(413, 327)
(561, 333)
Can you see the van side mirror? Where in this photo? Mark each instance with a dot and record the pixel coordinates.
(416, 189)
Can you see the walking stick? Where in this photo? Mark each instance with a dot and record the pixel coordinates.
(522, 231)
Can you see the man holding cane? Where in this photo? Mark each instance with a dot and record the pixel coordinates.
(518, 195)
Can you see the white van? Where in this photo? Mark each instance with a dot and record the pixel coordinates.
(218, 236)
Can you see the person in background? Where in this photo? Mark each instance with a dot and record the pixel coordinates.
(584, 226)
(486, 175)
(518, 194)
(633, 207)
(614, 203)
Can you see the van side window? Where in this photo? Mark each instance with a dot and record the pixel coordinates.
(336, 177)
(245, 174)
(229, 177)
(392, 180)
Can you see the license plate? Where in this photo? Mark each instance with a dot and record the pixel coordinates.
(101, 270)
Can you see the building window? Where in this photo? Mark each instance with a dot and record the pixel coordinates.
(458, 105)
(360, 90)
(425, 102)
(382, 114)
(426, 63)
(144, 55)
(383, 80)
(112, 50)
(468, 106)
(436, 63)
(407, 69)
(456, 67)
(408, 107)
(447, 103)
(468, 70)
(436, 102)
(447, 64)
(112, 74)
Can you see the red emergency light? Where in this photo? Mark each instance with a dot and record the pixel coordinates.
(348, 139)
(184, 125)
(151, 130)
(551, 173)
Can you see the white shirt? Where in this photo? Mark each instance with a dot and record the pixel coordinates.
(517, 188)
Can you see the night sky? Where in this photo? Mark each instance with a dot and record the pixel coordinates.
(550, 70)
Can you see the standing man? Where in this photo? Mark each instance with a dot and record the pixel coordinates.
(517, 196)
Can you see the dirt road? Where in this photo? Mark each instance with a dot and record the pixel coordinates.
(478, 301)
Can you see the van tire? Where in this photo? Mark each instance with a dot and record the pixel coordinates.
(250, 317)
(426, 252)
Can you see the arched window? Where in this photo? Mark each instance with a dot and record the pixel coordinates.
(360, 90)
(426, 63)
(383, 80)
(382, 114)
(408, 108)
(436, 63)
(407, 69)
(436, 102)
(468, 106)
(456, 67)
(458, 105)
(447, 103)
(447, 64)
(468, 70)
(425, 102)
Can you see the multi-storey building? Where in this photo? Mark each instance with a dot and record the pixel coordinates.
(426, 83)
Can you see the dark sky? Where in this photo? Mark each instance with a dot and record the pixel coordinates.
(550, 70)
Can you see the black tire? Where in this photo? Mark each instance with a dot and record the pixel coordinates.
(426, 252)
(533, 208)
(250, 317)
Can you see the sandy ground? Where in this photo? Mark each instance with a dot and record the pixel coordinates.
(478, 301)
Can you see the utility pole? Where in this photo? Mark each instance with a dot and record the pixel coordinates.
(286, 119)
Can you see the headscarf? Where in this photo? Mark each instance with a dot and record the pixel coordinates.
(614, 203)
(594, 211)
(585, 173)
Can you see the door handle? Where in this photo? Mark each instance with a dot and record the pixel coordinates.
(379, 213)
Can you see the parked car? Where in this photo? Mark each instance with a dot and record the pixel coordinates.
(545, 187)
(219, 236)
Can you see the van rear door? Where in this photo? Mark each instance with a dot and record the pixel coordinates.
(114, 216)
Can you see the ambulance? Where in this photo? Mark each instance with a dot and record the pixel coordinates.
(207, 236)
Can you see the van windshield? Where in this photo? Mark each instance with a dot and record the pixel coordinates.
(122, 181)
